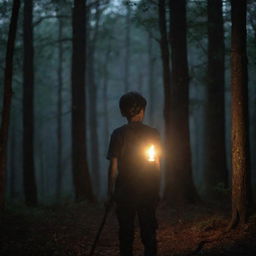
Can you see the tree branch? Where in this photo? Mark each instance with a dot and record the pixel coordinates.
(36, 23)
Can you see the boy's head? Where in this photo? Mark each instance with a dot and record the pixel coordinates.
(131, 104)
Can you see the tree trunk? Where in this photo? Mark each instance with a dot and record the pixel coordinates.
(93, 120)
(180, 188)
(127, 50)
(239, 108)
(13, 170)
(166, 65)
(215, 167)
(252, 139)
(29, 179)
(166, 83)
(59, 110)
(253, 143)
(105, 92)
(8, 71)
(151, 76)
(42, 169)
(81, 177)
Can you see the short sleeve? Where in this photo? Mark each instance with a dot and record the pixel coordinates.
(115, 145)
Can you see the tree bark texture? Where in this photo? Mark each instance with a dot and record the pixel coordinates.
(93, 121)
(13, 161)
(239, 108)
(59, 110)
(42, 170)
(253, 118)
(180, 187)
(105, 91)
(7, 97)
(81, 177)
(29, 179)
(166, 64)
(166, 83)
(215, 166)
(151, 76)
(127, 50)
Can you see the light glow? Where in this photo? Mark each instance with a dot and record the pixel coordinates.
(151, 154)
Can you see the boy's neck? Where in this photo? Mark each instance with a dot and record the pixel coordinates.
(139, 121)
(137, 118)
(134, 120)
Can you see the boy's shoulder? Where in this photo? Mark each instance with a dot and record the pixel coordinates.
(119, 129)
(138, 126)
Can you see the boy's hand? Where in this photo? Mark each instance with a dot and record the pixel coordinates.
(112, 174)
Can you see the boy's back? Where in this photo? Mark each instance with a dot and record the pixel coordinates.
(138, 179)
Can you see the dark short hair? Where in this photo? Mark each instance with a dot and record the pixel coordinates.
(131, 104)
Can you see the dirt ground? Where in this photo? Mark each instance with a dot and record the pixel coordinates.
(70, 230)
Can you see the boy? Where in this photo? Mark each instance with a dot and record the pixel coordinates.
(134, 175)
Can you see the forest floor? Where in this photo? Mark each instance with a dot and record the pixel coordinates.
(70, 230)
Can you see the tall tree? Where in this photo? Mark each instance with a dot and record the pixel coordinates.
(81, 177)
(180, 188)
(8, 73)
(13, 150)
(59, 106)
(105, 90)
(92, 99)
(29, 180)
(251, 11)
(151, 75)
(42, 168)
(127, 44)
(239, 108)
(215, 153)
(166, 82)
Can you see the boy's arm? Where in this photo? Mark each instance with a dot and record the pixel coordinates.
(112, 174)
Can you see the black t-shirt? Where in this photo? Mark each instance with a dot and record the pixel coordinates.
(138, 179)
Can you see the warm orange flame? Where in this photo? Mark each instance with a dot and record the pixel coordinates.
(151, 154)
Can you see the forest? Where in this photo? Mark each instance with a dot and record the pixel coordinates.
(64, 64)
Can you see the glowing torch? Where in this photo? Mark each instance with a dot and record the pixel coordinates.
(151, 154)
